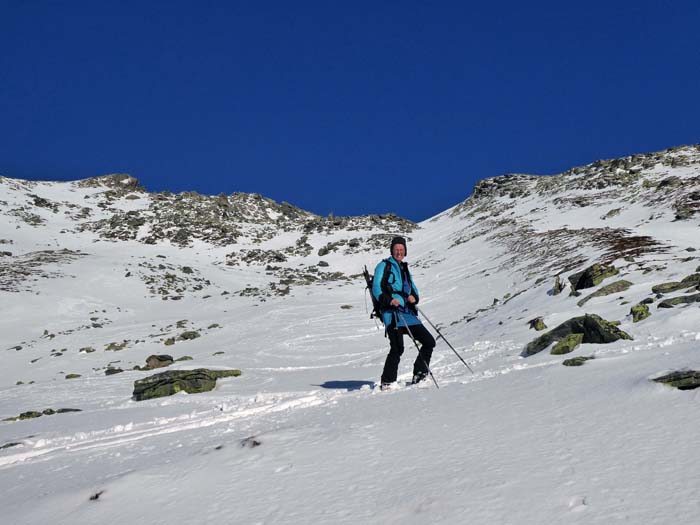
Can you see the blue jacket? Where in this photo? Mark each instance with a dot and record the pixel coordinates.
(392, 286)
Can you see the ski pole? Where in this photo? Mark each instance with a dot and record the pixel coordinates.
(416, 343)
(443, 338)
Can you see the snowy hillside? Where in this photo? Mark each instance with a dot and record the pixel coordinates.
(98, 275)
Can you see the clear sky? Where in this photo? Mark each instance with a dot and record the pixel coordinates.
(343, 107)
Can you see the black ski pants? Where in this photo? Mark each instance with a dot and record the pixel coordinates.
(420, 366)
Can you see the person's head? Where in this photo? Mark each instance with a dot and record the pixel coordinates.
(398, 248)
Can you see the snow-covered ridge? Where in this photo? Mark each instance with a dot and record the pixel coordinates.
(98, 275)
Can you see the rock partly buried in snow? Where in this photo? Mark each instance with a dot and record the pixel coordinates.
(158, 361)
(682, 379)
(688, 282)
(576, 361)
(174, 381)
(538, 324)
(591, 276)
(683, 299)
(594, 328)
(608, 289)
(640, 312)
(568, 344)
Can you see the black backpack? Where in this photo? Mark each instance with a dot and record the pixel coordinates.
(376, 307)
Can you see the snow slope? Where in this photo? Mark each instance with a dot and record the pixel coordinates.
(303, 435)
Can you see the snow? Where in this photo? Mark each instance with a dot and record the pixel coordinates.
(521, 440)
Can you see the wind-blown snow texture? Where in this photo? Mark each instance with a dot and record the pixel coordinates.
(100, 274)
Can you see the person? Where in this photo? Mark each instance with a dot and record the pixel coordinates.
(398, 296)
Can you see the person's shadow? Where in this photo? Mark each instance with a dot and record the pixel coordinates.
(346, 385)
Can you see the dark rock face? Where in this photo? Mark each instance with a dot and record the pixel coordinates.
(174, 381)
(591, 276)
(682, 380)
(595, 330)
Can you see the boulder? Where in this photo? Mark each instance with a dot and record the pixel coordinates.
(608, 289)
(683, 299)
(682, 379)
(591, 276)
(537, 323)
(568, 344)
(639, 312)
(595, 330)
(673, 286)
(159, 361)
(576, 361)
(174, 381)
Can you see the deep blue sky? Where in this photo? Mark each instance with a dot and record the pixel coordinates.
(344, 107)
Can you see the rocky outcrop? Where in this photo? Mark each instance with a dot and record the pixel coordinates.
(682, 379)
(673, 286)
(174, 381)
(608, 289)
(593, 328)
(591, 276)
(683, 299)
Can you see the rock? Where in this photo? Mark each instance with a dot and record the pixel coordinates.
(595, 330)
(576, 361)
(682, 379)
(72, 376)
(639, 312)
(568, 344)
(616, 287)
(673, 286)
(323, 264)
(188, 336)
(591, 276)
(346, 306)
(184, 358)
(169, 341)
(159, 361)
(86, 350)
(173, 381)
(683, 299)
(30, 415)
(110, 371)
(537, 323)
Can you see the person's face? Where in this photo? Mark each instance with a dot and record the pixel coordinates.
(399, 252)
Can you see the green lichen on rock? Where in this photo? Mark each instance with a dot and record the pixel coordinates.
(558, 286)
(591, 276)
(608, 289)
(683, 299)
(595, 330)
(640, 312)
(73, 376)
(188, 336)
(576, 361)
(174, 381)
(682, 379)
(568, 344)
(538, 324)
(673, 286)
